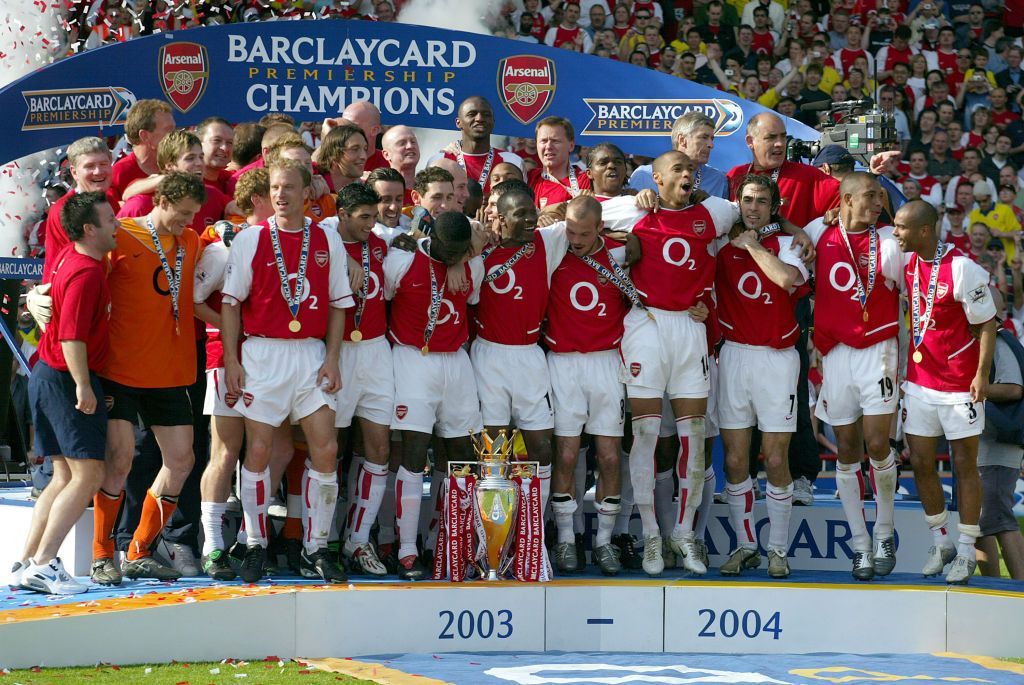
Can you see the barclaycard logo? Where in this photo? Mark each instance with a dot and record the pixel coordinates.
(611, 117)
(76, 107)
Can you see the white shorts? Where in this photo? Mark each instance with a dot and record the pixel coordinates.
(757, 387)
(587, 393)
(217, 402)
(858, 383)
(931, 420)
(513, 385)
(711, 428)
(368, 382)
(666, 356)
(280, 380)
(437, 389)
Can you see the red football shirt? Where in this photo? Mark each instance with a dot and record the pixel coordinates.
(252, 278)
(549, 192)
(123, 173)
(81, 310)
(751, 308)
(373, 321)
(585, 309)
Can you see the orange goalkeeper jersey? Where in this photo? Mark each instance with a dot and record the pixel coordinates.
(147, 350)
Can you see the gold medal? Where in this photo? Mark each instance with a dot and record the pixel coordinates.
(650, 315)
(918, 356)
(356, 335)
(425, 350)
(294, 326)
(865, 316)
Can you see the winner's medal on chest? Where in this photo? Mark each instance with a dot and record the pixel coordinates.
(173, 277)
(919, 324)
(293, 298)
(863, 293)
(356, 335)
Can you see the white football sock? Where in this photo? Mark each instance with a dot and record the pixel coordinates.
(373, 479)
(564, 507)
(212, 517)
(707, 498)
(883, 480)
(740, 497)
(690, 471)
(607, 512)
(320, 489)
(850, 484)
(779, 500)
(254, 491)
(641, 469)
(969, 534)
(408, 497)
(937, 524)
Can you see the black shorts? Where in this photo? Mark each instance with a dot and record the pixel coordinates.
(62, 430)
(156, 406)
(997, 485)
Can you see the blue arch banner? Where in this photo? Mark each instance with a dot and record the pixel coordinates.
(416, 75)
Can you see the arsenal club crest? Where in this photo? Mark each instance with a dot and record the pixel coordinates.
(184, 73)
(378, 254)
(401, 411)
(321, 257)
(700, 226)
(526, 85)
(231, 399)
(863, 260)
(531, 249)
(247, 398)
(634, 369)
(940, 290)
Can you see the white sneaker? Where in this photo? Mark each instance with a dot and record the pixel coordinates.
(938, 557)
(183, 560)
(653, 563)
(803, 492)
(686, 548)
(365, 558)
(961, 570)
(17, 573)
(51, 579)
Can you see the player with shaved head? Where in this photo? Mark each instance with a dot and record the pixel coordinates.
(858, 270)
(953, 337)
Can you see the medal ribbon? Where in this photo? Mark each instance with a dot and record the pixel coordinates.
(574, 186)
(485, 172)
(918, 323)
(617, 277)
(863, 294)
(173, 277)
(292, 299)
(365, 290)
(500, 271)
(436, 295)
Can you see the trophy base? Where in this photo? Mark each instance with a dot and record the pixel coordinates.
(492, 575)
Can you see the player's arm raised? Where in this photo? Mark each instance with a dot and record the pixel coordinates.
(778, 272)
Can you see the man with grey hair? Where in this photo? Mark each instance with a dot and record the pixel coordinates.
(693, 134)
(91, 168)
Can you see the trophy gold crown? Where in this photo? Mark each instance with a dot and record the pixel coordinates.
(495, 449)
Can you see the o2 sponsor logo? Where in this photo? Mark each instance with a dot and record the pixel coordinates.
(731, 624)
(481, 625)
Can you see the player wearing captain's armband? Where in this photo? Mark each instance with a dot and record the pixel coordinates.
(757, 280)
(952, 340)
(286, 286)
(858, 268)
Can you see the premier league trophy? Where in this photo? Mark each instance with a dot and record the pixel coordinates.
(487, 508)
